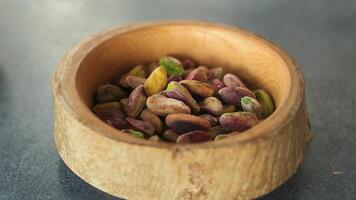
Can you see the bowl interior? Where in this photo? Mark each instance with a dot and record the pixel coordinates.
(237, 51)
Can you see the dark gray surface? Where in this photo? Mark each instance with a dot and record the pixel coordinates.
(321, 35)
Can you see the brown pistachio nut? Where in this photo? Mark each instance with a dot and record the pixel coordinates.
(212, 120)
(199, 74)
(188, 64)
(156, 82)
(161, 105)
(217, 84)
(124, 104)
(231, 80)
(109, 93)
(198, 88)
(266, 102)
(153, 119)
(177, 91)
(151, 67)
(183, 123)
(215, 73)
(216, 130)
(107, 107)
(134, 133)
(194, 137)
(172, 65)
(155, 138)
(249, 104)
(142, 126)
(233, 95)
(238, 121)
(211, 105)
(134, 81)
(136, 103)
(114, 118)
(170, 135)
(228, 108)
(174, 78)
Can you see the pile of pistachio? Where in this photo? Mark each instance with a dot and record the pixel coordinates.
(179, 101)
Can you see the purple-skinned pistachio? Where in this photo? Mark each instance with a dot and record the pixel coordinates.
(217, 84)
(183, 123)
(231, 80)
(199, 74)
(114, 118)
(134, 81)
(198, 88)
(136, 102)
(212, 120)
(177, 91)
(219, 129)
(249, 104)
(238, 121)
(148, 116)
(186, 72)
(123, 103)
(233, 95)
(142, 126)
(194, 137)
(211, 105)
(162, 105)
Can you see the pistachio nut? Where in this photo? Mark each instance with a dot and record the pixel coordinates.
(198, 88)
(194, 137)
(215, 73)
(228, 108)
(170, 135)
(177, 91)
(136, 102)
(199, 74)
(134, 81)
(134, 133)
(231, 80)
(238, 121)
(221, 136)
(212, 120)
(142, 126)
(211, 105)
(124, 104)
(172, 65)
(109, 93)
(148, 116)
(114, 118)
(217, 84)
(183, 123)
(216, 130)
(249, 104)
(107, 107)
(186, 72)
(188, 64)
(161, 105)
(155, 138)
(233, 95)
(138, 71)
(156, 82)
(266, 102)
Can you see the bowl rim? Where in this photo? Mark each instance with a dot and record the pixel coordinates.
(64, 89)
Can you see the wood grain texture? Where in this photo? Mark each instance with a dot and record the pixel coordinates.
(245, 166)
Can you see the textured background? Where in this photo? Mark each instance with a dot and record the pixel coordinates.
(321, 35)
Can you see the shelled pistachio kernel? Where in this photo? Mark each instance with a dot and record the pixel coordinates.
(172, 65)
(266, 101)
(250, 104)
(156, 82)
(238, 121)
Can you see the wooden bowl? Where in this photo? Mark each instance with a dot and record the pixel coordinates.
(245, 166)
